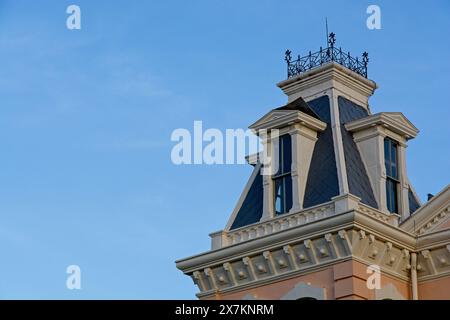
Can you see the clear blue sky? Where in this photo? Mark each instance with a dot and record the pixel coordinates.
(86, 118)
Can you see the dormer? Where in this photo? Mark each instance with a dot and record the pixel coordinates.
(382, 140)
(297, 127)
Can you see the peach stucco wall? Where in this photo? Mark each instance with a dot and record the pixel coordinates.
(438, 289)
(275, 291)
(343, 281)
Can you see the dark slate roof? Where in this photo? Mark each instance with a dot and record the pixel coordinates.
(251, 209)
(413, 203)
(299, 105)
(322, 182)
(358, 180)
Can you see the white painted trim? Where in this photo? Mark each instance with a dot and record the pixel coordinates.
(303, 142)
(329, 224)
(427, 211)
(403, 201)
(392, 121)
(314, 83)
(337, 143)
(432, 240)
(268, 185)
(271, 121)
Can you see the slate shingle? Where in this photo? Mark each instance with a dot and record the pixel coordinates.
(358, 180)
(322, 182)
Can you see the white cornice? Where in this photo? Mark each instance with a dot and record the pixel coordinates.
(330, 75)
(324, 69)
(243, 249)
(430, 213)
(393, 121)
(276, 119)
(333, 223)
(308, 248)
(434, 239)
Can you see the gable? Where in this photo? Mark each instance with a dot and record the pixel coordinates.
(432, 216)
(393, 121)
(271, 116)
(399, 117)
(296, 111)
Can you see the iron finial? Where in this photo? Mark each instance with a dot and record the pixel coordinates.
(287, 56)
(365, 56)
(332, 39)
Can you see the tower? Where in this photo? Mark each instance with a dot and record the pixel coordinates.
(340, 210)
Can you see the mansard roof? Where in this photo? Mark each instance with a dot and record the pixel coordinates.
(322, 181)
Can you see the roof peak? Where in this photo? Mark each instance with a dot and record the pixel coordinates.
(301, 105)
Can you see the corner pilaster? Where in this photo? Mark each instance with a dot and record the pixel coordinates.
(337, 142)
(303, 141)
(268, 187)
(403, 185)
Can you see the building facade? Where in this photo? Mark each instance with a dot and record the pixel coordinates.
(339, 219)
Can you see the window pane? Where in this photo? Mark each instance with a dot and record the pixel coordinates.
(393, 170)
(394, 197)
(287, 153)
(288, 193)
(283, 185)
(393, 160)
(283, 195)
(284, 154)
(391, 195)
(390, 158)
(388, 196)
(277, 151)
(278, 196)
(387, 157)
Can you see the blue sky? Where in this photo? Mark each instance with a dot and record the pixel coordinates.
(86, 117)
